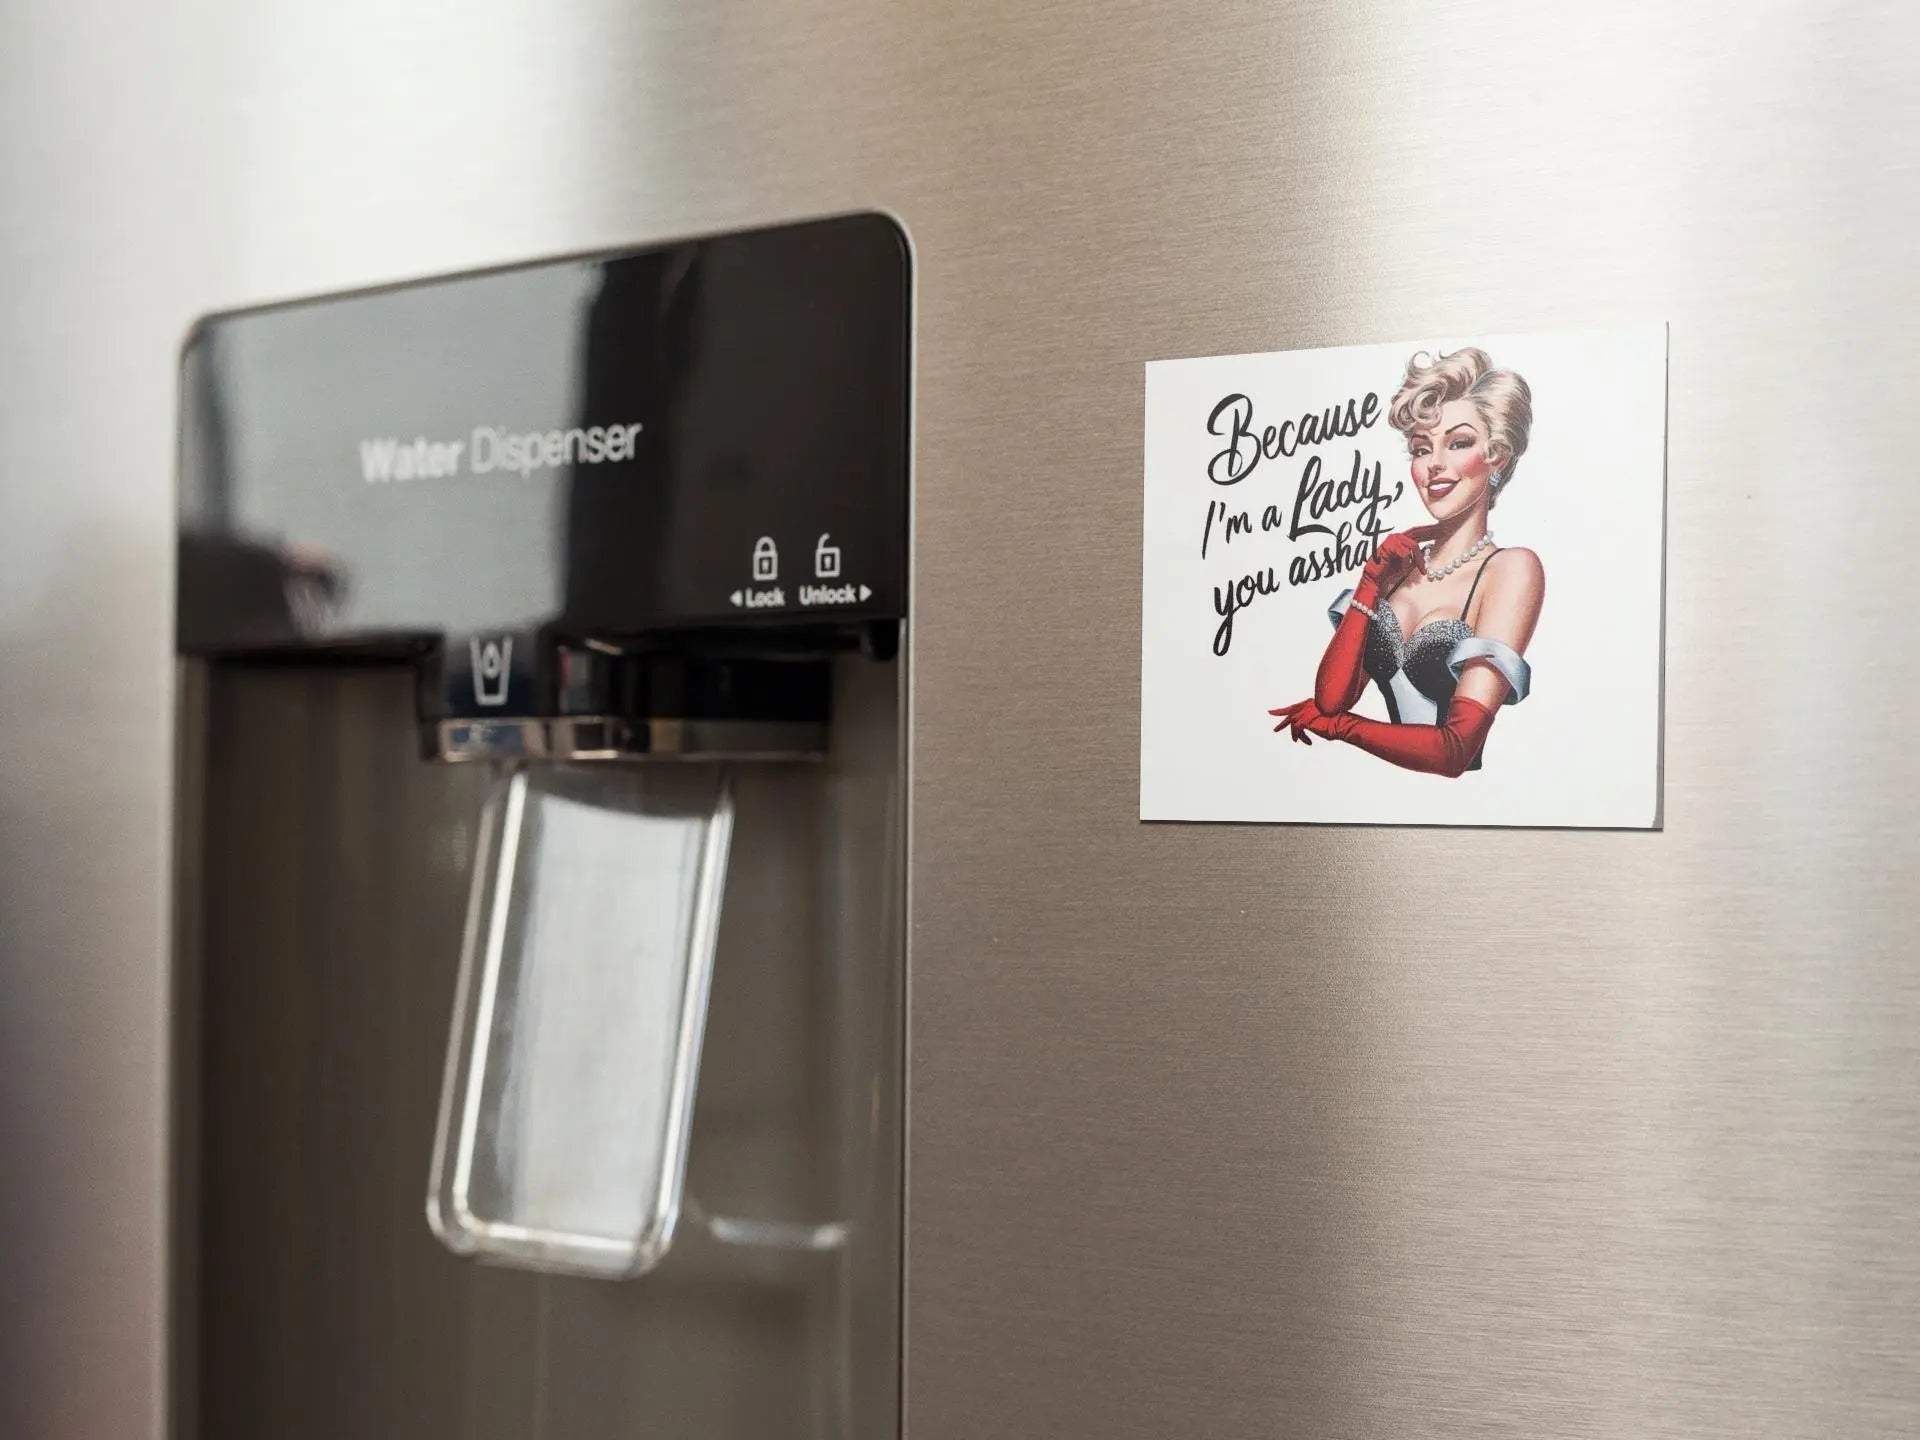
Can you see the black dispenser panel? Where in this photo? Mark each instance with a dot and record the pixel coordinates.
(707, 437)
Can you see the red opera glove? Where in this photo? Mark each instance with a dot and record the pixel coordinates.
(1341, 677)
(1391, 563)
(1437, 749)
(1301, 717)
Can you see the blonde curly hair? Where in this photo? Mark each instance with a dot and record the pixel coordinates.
(1500, 397)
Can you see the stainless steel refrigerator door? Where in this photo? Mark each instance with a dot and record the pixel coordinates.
(1572, 1134)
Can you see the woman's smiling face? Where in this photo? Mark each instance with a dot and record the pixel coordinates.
(1450, 463)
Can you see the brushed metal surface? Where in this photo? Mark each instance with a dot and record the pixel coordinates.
(1215, 1131)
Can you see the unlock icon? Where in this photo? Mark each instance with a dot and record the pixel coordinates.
(826, 559)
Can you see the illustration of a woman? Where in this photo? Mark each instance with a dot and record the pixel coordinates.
(1441, 616)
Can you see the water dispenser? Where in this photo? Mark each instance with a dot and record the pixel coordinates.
(541, 853)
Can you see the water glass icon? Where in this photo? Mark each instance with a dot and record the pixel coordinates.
(492, 661)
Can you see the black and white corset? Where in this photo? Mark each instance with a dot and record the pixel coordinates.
(1417, 675)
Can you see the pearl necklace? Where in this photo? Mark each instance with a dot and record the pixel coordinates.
(1454, 564)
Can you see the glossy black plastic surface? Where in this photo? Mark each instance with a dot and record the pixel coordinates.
(707, 436)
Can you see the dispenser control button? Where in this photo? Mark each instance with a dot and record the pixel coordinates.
(848, 594)
(763, 594)
(827, 567)
(773, 597)
(826, 559)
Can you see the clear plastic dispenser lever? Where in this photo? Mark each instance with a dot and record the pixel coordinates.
(567, 1104)
(575, 1053)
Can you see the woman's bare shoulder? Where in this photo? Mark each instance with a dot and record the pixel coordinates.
(1513, 592)
(1516, 569)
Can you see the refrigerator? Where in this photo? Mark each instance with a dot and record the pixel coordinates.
(1183, 1126)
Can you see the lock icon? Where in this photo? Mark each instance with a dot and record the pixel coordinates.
(766, 559)
(826, 559)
